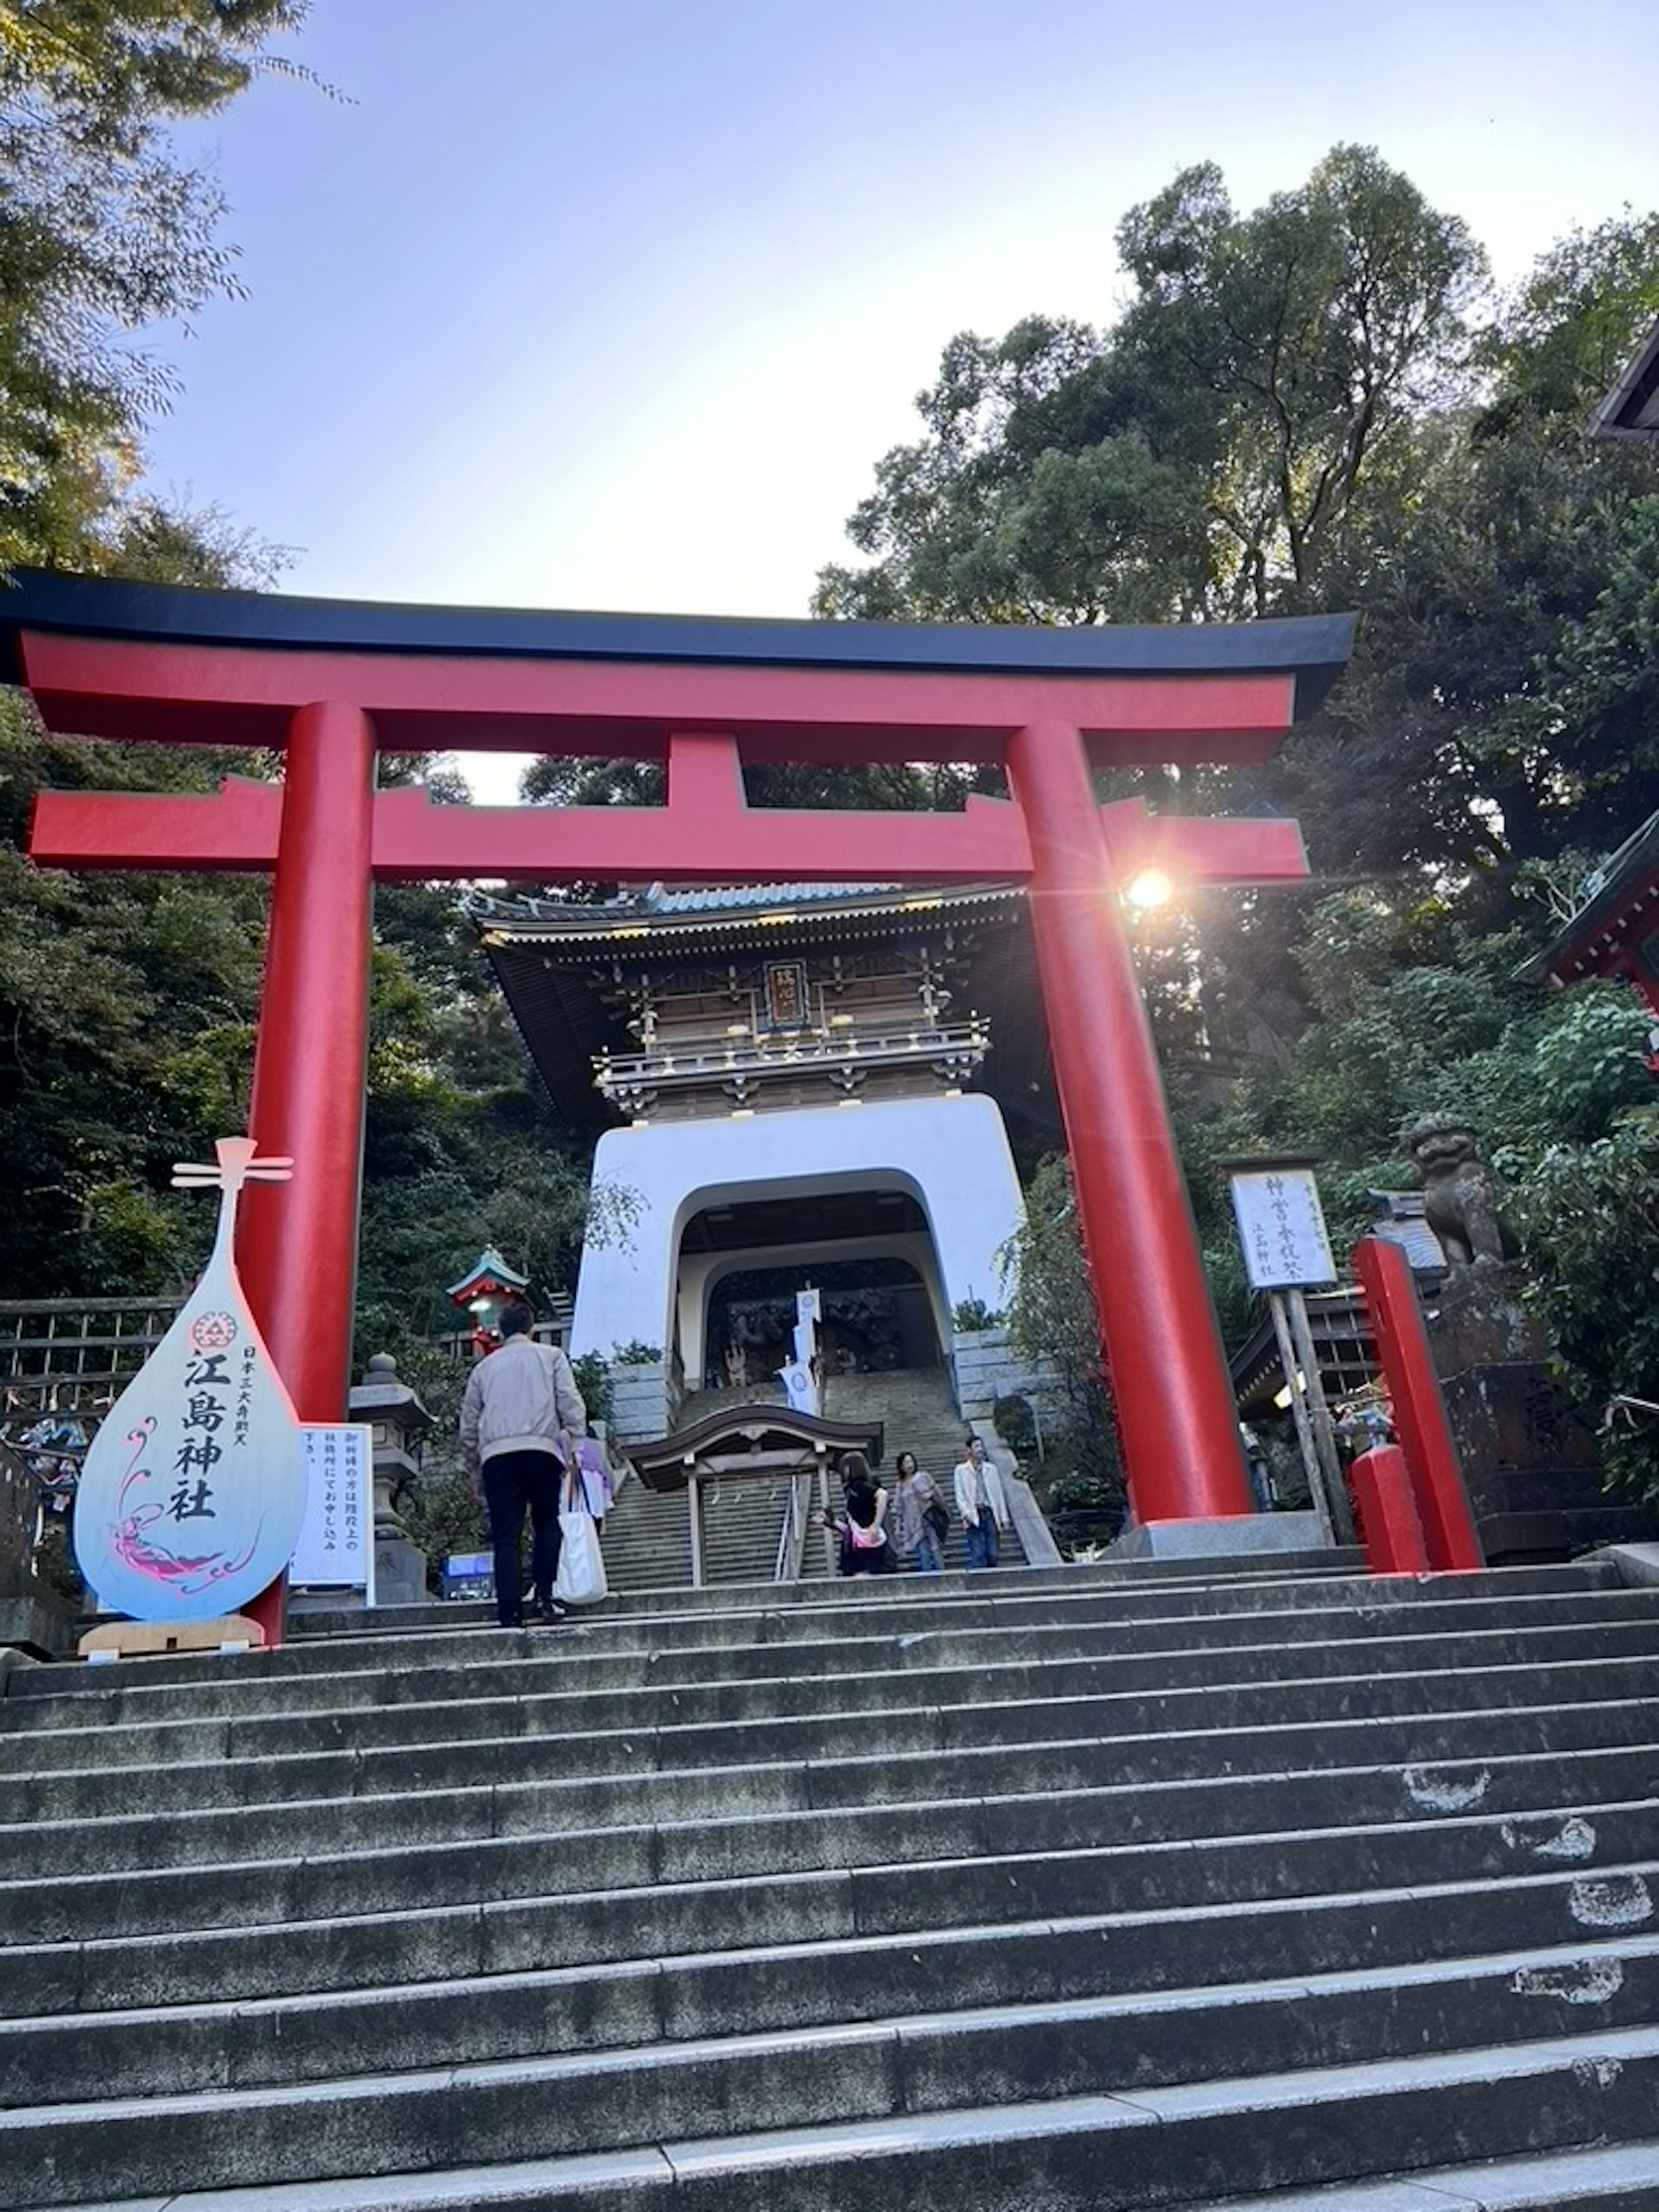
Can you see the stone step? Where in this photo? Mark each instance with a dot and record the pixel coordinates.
(1003, 2109)
(618, 1653)
(635, 1731)
(798, 1915)
(647, 1543)
(1200, 1588)
(779, 1841)
(1077, 1888)
(1151, 1793)
(1182, 2030)
(691, 1684)
(919, 1414)
(591, 1687)
(1559, 1871)
(346, 1624)
(854, 1620)
(1623, 2178)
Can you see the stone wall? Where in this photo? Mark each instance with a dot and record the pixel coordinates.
(986, 1367)
(644, 1400)
(1530, 1456)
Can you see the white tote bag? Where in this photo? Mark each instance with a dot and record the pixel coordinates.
(581, 1579)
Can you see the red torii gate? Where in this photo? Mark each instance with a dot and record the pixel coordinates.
(330, 683)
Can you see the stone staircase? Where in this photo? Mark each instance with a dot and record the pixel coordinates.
(918, 1414)
(647, 1537)
(916, 1410)
(1080, 1890)
(647, 1545)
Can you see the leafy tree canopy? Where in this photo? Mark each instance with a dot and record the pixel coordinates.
(1200, 457)
(103, 233)
(127, 1004)
(1323, 405)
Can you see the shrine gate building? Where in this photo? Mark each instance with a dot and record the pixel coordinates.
(783, 1076)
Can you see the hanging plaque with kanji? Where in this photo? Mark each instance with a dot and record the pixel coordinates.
(193, 1491)
(1281, 1226)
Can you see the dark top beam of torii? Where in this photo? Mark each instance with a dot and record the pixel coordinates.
(330, 683)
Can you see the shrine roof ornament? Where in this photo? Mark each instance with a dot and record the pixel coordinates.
(652, 901)
(725, 899)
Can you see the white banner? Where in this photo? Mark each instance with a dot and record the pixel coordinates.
(336, 1549)
(798, 1387)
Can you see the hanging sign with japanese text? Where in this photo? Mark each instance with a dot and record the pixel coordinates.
(336, 1548)
(193, 1490)
(1281, 1225)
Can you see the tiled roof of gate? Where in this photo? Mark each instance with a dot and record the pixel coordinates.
(529, 917)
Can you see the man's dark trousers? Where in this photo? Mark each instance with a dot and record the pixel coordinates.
(512, 1481)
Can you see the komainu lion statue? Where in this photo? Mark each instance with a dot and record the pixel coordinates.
(1459, 1191)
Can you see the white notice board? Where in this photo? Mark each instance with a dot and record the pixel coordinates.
(1281, 1225)
(336, 1548)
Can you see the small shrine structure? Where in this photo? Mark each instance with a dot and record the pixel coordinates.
(1630, 409)
(754, 1443)
(1614, 933)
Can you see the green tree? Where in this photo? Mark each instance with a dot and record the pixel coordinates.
(126, 1007)
(127, 1004)
(882, 787)
(1318, 406)
(1202, 456)
(103, 233)
(1571, 324)
(1052, 1316)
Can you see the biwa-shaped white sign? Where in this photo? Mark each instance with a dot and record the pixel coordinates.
(192, 1493)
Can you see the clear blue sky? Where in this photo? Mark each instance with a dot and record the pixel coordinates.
(569, 305)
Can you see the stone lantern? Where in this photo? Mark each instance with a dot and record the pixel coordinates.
(397, 1420)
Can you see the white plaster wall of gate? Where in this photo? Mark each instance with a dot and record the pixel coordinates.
(702, 1272)
(952, 1154)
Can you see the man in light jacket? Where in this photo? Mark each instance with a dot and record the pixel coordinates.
(983, 1504)
(521, 1407)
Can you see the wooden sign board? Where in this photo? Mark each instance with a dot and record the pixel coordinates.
(1281, 1226)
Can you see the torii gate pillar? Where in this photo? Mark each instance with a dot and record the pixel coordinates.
(1169, 1388)
(310, 1058)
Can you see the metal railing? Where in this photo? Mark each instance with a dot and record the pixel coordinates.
(73, 1355)
(722, 1060)
(792, 1537)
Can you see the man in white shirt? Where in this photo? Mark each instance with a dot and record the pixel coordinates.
(522, 1408)
(983, 1504)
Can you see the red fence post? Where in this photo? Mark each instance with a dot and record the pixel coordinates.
(1419, 1412)
(1388, 1513)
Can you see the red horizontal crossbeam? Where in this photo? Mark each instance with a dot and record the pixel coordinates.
(148, 691)
(705, 823)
